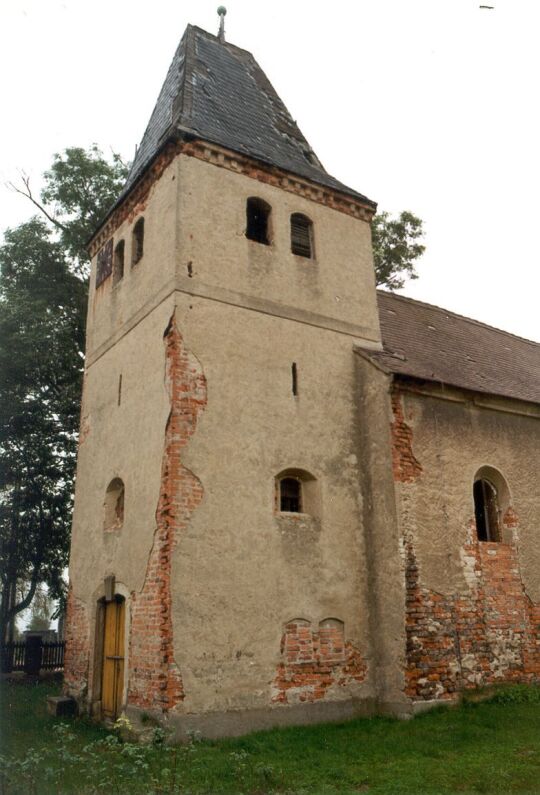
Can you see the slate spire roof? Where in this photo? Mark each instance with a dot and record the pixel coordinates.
(218, 93)
(433, 344)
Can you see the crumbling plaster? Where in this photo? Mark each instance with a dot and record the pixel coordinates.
(452, 441)
(238, 575)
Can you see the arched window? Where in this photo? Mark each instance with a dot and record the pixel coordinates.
(114, 505)
(301, 235)
(297, 491)
(257, 220)
(290, 495)
(118, 262)
(486, 510)
(137, 242)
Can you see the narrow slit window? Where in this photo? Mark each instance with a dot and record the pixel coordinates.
(119, 388)
(137, 243)
(294, 375)
(486, 511)
(257, 220)
(290, 495)
(301, 236)
(118, 264)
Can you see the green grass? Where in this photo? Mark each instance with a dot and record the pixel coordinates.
(487, 747)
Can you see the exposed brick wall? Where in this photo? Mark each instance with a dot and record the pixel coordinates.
(313, 662)
(405, 466)
(77, 655)
(489, 633)
(154, 679)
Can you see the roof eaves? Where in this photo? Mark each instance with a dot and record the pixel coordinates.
(370, 356)
(400, 376)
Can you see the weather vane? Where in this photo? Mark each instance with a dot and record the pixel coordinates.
(221, 33)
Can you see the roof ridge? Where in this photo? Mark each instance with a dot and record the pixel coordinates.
(456, 314)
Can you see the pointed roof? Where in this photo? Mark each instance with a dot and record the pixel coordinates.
(217, 92)
(432, 344)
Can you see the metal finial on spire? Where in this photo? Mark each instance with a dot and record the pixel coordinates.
(221, 33)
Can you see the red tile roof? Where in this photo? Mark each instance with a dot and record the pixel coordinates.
(433, 344)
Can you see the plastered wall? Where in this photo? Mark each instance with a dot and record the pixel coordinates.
(338, 283)
(201, 535)
(241, 572)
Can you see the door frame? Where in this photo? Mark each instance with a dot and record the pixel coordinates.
(99, 637)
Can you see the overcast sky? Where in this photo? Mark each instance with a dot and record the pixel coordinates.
(426, 105)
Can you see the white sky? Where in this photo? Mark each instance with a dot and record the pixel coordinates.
(426, 105)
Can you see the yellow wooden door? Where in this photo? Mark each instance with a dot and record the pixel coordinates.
(113, 659)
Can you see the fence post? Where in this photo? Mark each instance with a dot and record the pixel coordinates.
(7, 651)
(32, 660)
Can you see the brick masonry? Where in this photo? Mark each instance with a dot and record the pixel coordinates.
(77, 655)
(315, 662)
(154, 678)
(405, 466)
(487, 633)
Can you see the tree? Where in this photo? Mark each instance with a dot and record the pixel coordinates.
(80, 187)
(43, 265)
(42, 610)
(41, 343)
(396, 248)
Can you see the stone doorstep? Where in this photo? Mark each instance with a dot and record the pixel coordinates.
(61, 706)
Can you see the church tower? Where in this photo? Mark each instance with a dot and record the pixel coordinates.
(218, 569)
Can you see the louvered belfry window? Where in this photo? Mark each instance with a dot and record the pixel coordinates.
(301, 235)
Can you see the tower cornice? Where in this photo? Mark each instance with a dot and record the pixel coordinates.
(135, 201)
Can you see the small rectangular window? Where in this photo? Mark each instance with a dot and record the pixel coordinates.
(257, 220)
(290, 494)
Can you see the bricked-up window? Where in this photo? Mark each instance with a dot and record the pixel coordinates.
(301, 236)
(118, 263)
(290, 495)
(137, 242)
(486, 511)
(114, 505)
(297, 642)
(258, 220)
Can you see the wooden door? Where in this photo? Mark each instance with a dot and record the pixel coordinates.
(112, 684)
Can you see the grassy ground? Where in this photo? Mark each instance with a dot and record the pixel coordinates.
(476, 748)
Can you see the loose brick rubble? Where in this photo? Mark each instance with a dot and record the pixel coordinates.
(314, 662)
(154, 678)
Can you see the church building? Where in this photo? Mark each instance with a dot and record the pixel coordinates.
(298, 498)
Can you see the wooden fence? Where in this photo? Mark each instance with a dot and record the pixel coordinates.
(32, 656)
